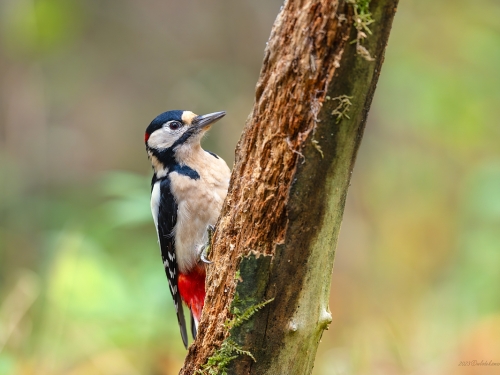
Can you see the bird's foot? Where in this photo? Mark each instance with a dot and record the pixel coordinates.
(206, 249)
(204, 254)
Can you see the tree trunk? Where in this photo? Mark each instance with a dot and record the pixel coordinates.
(273, 250)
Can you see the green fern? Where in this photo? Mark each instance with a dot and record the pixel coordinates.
(240, 317)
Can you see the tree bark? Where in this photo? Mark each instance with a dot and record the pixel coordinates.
(276, 237)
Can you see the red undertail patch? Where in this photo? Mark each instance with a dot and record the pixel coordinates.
(192, 290)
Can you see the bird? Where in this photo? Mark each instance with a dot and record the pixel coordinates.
(188, 188)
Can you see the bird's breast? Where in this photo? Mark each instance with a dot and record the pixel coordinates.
(199, 202)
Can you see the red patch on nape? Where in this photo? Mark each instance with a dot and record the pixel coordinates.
(192, 289)
(146, 137)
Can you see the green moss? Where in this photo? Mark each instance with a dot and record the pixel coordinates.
(342, 108)
(362, 7)
(362, 19)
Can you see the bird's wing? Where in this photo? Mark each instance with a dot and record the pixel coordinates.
(167, 218)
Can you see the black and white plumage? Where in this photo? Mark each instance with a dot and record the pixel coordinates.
(189, 186)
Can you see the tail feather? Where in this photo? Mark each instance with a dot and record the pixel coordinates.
(181, 320)
(194, 325)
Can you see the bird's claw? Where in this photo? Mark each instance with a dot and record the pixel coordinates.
(204, 254)
(206, 249)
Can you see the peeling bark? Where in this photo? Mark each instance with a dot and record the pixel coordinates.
(277, 233)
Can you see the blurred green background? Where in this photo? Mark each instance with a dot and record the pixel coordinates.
(416, 284)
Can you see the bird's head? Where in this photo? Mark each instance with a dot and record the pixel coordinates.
(177, 128)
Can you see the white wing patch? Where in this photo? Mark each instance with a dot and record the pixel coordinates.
(155, 203)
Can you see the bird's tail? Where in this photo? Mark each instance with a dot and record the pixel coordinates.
(192, 291)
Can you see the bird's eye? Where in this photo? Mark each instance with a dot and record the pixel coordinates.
(174, 125)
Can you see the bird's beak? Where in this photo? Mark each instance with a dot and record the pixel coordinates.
(201, 122)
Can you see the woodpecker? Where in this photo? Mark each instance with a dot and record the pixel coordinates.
(188, 188)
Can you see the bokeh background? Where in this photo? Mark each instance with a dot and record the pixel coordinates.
(416, 284)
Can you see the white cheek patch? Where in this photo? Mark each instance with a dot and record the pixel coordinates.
(162, 138)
